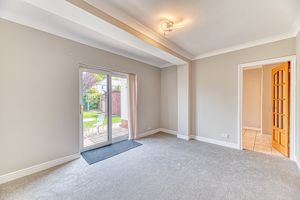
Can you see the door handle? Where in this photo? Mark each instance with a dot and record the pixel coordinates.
(81, 108)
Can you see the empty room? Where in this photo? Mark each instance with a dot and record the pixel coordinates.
(123, 100)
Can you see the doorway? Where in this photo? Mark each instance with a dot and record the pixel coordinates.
(266, 106)
(103, 108)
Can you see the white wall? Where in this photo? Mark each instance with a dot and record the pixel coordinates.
(298, 97)
(168, 106)
(39, 87)
(215, 88)
(184, 100)
(252, 101)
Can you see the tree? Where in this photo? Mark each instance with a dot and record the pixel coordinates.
(90, 79)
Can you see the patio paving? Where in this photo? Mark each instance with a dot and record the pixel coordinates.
(91, 135)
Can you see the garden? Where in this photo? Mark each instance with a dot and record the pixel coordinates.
(94, 100)
(93, 119)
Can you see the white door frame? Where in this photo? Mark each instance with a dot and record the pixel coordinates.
(293, 99)
(110, 74)
(109, 139)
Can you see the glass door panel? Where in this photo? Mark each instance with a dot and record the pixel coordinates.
(119, 107)
(94, 109)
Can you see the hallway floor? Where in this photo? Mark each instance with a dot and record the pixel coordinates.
(255, 141)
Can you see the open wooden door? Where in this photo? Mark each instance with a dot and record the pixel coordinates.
(280, 103)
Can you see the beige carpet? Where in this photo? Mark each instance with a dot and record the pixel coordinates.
(165, 168)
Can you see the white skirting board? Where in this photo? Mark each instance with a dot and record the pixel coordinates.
(195, 137)
(147, 133)
(40, 167)
(172, 132)
(46, 165)
(252, 128)
(37, 168)
(184, 137)
(217, 142)
(297, 162)
(151, 132)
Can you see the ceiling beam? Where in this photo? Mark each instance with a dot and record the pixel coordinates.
(104, 16)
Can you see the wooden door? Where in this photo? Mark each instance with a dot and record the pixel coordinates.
(280, 103)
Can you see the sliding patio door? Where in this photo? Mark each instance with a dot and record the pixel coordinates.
(103, 108)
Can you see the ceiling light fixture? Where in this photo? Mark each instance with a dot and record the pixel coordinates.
(168, 26)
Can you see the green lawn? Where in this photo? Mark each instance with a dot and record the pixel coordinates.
(94, 116)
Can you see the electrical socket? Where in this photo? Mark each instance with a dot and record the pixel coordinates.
(225, 135)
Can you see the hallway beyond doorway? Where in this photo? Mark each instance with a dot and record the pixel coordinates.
(256, 141)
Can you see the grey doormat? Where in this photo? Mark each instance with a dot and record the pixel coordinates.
(102, 153)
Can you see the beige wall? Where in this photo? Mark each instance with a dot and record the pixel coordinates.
(257, 105)
(215, 88)
(168, 106)
(39, 88)
(252, 101)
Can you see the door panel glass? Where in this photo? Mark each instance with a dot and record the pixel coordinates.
(94, 104)
(119, 108)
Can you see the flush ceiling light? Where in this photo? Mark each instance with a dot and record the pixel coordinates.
(168, 26)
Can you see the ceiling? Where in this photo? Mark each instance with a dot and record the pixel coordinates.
(210, 25)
